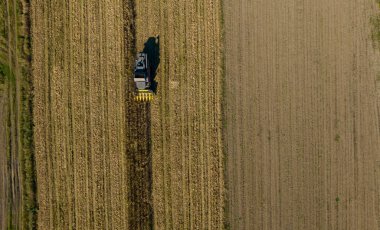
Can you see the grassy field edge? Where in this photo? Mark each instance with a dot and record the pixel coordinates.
(19, 51)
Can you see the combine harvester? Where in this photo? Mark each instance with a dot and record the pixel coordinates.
(142, 78)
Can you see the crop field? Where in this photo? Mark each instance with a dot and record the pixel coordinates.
(184, 40)
(104, 161)
(80, 113)
(294, 106)
(302, 132)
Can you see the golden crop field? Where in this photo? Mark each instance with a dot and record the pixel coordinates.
(79, 114)
(187, 157)
(302, 134)
(107, 162)
(266, 115)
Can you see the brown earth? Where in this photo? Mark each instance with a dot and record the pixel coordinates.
(302, 131)
(183, 38)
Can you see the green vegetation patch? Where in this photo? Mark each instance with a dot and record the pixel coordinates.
(6, 74)
(3, 31)
(375, 21)
(20, 31)
(337, 138)
(27, 156)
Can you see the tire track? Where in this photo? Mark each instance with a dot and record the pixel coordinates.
(48, 129)
(184, 122)
(97, 142)
(71, 160)
(104, 55)
(203, 106)
(18, 148)
(69, 173)
(15, 207)
(79, 127)
(207, 41)
(129, 33)
(88, 116)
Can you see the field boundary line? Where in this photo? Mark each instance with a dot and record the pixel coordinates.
(70, 168)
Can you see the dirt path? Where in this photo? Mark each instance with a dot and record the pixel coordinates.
(302, 136)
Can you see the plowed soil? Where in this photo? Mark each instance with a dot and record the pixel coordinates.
(302, 136)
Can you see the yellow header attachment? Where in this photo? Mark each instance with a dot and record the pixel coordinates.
(144, 95)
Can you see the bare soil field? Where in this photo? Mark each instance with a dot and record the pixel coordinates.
(302, 132)
(184, 40)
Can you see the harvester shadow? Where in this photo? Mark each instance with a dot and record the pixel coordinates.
(152, 48)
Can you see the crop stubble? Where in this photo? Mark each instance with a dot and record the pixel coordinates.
(187, 160)
(302, 132)
(79, 114)
(95, 161)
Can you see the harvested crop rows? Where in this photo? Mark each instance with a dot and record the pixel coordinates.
(302, 136)
(187, 160)
(105, 161)
(79, 114)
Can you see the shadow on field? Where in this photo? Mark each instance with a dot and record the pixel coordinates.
(138, 129)
(152, 48)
